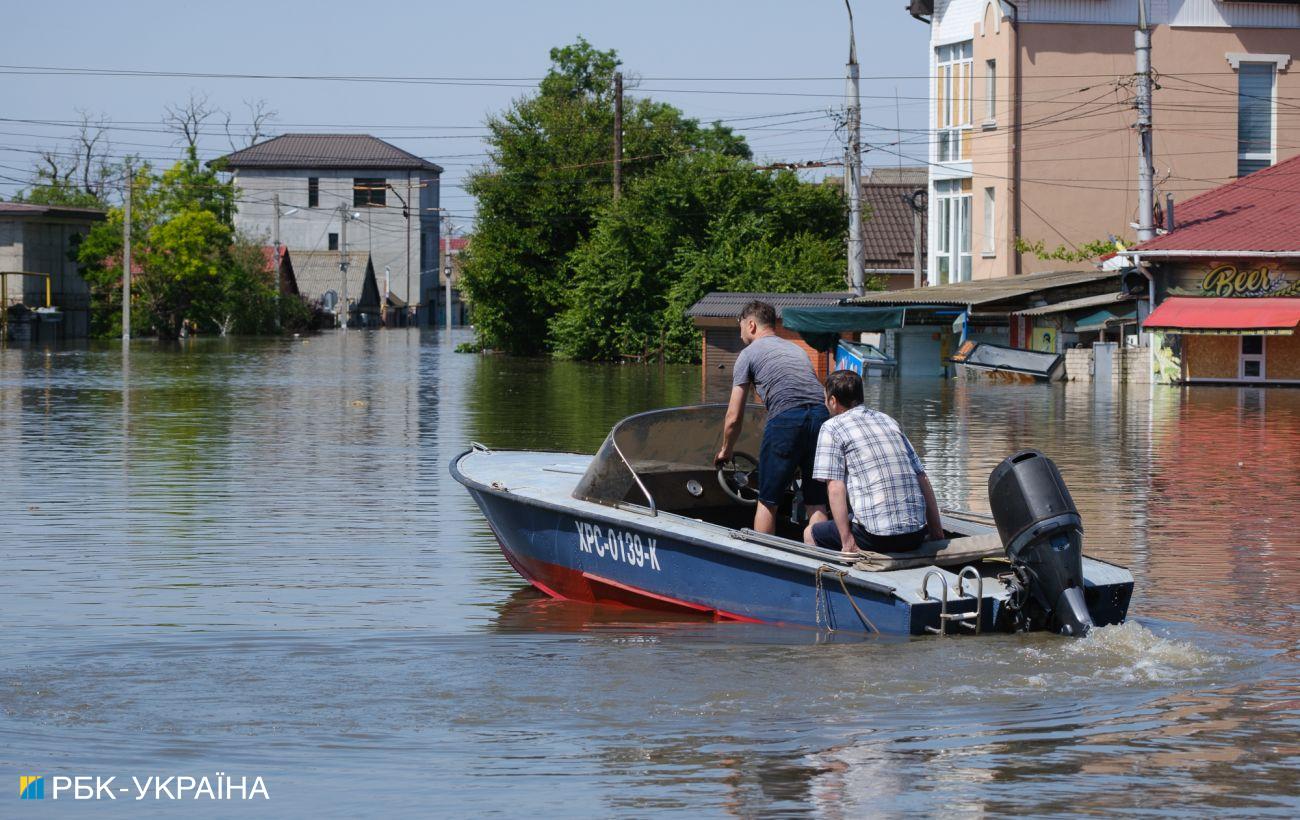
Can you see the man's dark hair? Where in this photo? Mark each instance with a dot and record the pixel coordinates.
(845, 387)
(761, 312)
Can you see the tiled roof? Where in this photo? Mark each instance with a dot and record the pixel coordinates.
(1260, 212)
(342, 151)
(887, 231)
(719, 305)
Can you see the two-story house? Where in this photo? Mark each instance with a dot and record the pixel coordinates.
(1031, 114)
(318, 191)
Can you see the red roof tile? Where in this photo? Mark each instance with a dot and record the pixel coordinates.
(1260, 212)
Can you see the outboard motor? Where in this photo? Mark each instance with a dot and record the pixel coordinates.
(1043, 535)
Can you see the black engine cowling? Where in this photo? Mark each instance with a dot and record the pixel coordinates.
(1043, 535)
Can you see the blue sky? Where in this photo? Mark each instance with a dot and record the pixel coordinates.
(688, 53)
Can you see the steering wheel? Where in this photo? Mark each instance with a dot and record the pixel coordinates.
(739, 478)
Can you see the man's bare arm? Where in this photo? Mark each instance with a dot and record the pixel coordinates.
(734, 421)
(839, 498)
(933, 523)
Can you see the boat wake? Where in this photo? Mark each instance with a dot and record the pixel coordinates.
(1126, 653)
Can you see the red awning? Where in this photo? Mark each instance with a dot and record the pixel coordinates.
(1193, 314)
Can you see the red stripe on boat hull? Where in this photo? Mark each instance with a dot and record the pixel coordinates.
(568, 584)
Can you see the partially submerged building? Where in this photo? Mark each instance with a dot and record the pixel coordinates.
(38, 268)
(1227, 283)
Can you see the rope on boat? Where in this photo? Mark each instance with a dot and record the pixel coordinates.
(822, 600)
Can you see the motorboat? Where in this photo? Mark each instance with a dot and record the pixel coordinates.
(650, 521)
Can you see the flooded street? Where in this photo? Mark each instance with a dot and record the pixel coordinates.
(249, 557)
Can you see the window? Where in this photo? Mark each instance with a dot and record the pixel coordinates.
(952, 96)
(1254, 117)
(953, 231)
(368, 192)
(990, 246)
(990, 90)
(313, 192)
(1252, 358)
(334, 242)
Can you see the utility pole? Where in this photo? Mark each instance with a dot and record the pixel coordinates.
(853, 166)
(406, 210)
(126, 255)
(343, 259)
(1146, 165)
(275, 238)
(618, 134)
(919, 202)
(451, 229)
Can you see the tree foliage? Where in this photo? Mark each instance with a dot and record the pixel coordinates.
(549, 177)
(189, 264)
(695, 223)
(1079, 253)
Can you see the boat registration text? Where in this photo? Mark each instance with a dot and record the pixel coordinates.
(619, 545)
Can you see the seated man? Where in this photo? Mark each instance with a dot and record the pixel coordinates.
(880, 497)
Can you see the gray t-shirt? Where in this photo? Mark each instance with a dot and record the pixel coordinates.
(781, 372)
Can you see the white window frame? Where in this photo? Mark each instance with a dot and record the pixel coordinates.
(953, 232)
(1243, 357)
(951, 120)
(1279, 62)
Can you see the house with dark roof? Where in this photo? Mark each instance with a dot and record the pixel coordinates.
(1227, 283)
(36, 262)
(891, 223)
(335, 198)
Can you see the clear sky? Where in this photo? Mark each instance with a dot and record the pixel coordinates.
(743, 61)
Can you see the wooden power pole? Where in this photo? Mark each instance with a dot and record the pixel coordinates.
(618, 134)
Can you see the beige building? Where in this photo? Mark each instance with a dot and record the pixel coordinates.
(1031, 132)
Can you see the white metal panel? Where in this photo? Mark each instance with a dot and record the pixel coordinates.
(1225, 14)
(954, 20)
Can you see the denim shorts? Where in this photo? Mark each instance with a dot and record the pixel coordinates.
(789, 444)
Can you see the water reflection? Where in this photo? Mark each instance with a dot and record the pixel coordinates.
(251, 553)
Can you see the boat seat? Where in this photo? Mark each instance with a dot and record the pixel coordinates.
(945, 552)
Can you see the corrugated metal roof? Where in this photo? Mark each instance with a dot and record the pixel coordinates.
(722, 305)
(342, 151)
(985, 291)
(1075, 304)
(914, 176)
(1260, 212)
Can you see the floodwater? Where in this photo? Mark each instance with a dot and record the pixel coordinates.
(249, 558)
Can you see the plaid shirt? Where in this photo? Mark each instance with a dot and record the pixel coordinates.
(866, 450)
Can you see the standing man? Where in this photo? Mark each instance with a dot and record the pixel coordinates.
(880, 497)
(784, 378)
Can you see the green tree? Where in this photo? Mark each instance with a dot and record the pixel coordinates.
(191, 265)
(548, 177)
(695, 223)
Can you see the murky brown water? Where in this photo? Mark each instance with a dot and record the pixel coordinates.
(248, 557)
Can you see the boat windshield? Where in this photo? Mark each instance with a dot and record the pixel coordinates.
(671, 452)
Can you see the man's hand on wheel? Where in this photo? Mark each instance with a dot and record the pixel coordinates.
(724, 455)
